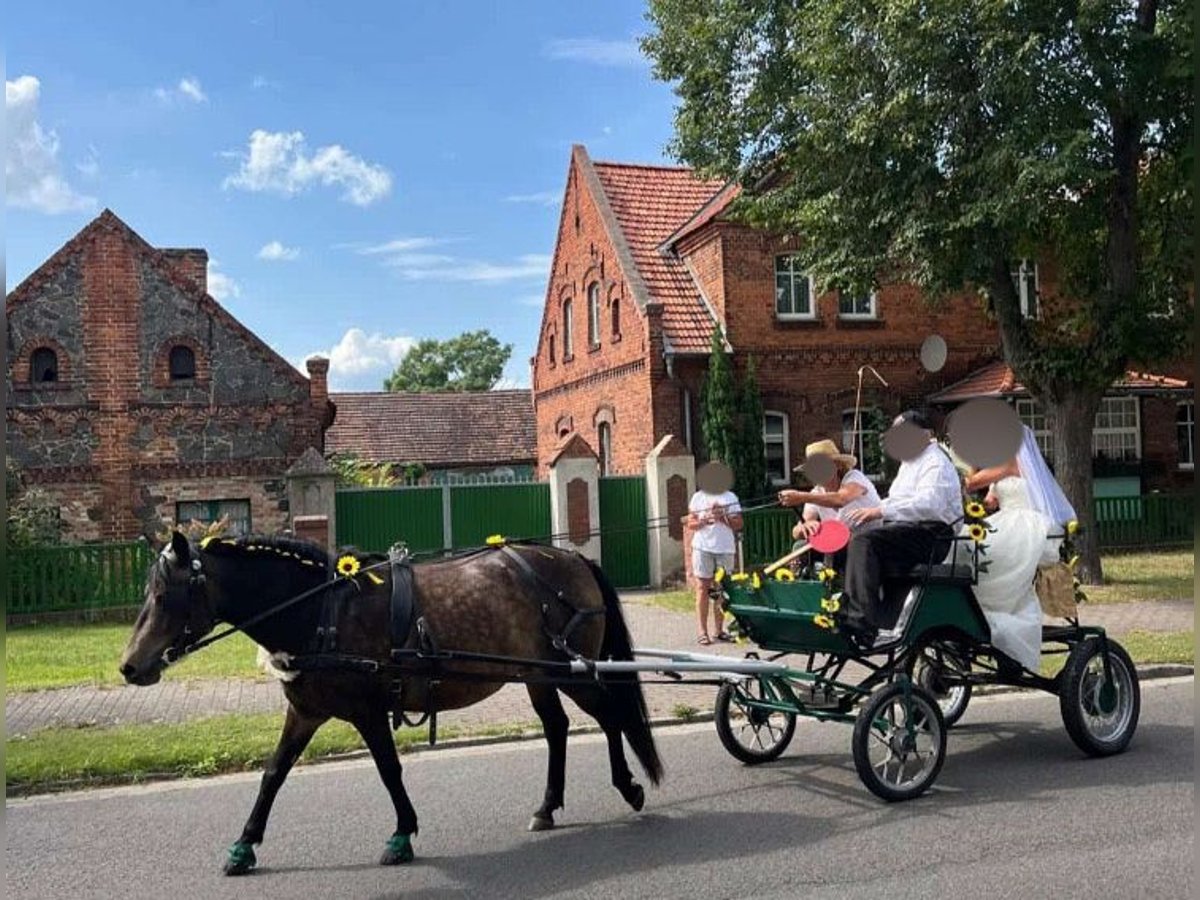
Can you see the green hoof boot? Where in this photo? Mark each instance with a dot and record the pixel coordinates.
(241, 859)
(398, 851)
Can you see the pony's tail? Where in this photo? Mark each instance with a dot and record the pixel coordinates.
(625, 690)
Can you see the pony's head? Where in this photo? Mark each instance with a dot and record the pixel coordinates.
(175, 613)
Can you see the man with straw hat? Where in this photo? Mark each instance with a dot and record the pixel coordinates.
(838, 489)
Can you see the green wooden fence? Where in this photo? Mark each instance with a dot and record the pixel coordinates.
(624, 543)
(766, 535)
(1151, 520)
(77, 577)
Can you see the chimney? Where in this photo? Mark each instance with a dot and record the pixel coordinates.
(189, 262)
(318, 379)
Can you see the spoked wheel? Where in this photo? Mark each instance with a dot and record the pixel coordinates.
(1100, 711)
(899, 741)
(929, 668)
(752, 734)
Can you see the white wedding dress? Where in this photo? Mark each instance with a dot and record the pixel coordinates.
(1012, 553)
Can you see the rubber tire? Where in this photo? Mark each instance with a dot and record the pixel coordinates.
(730, 742)
(1069, 684)
(860, 742)
(956, 711)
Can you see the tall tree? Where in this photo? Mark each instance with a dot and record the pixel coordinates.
(718, 417)
(942, 142)
(750, 457)
(473, 361)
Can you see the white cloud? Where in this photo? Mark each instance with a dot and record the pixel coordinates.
(188, 89)
(279, 162)
(399, 245)
(220, 285)
(32, 175)
(530, 265)
(596, 51)
(274, 251)
(262, 82)
(359, 353)
(537, 198)
(89, 166)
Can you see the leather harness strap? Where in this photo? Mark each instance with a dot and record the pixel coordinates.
(540, 585)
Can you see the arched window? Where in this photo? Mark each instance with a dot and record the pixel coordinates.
(604, 439)
(616, 318)
(182, 363)
(43, 366)
(568, 322)
(594, 314)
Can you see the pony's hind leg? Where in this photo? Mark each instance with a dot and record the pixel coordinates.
(548, 706)
(596, 702)
(377, 733)
(297, 732)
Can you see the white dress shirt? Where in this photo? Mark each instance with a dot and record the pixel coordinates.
(926, 489)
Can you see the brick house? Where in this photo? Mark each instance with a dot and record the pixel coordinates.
(135, 400)
(452, 435)
(647, 263)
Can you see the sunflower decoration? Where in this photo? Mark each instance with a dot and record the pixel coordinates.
(823, 621)
(785, 575)
(719, 575)
(977, 533)
(826, 575)
(976, 510)
(348, 565)
(1070, 558)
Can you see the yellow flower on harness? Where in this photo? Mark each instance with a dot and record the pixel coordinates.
(976, 510)
(348, 566)
(977, 533)
(495, 540)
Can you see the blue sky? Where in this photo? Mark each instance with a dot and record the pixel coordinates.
(362, 175)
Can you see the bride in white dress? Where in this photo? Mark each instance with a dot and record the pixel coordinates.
(1032, 508)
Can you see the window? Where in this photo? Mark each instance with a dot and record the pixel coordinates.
(568, 320)
(856, 306)
(604, 439)
(182, 363)
(551, 349)
(685, 405)
(775, 443)
(1025, 280)
(1032, 415)
(208, 511)
(43, 366)
(1117, 434)
(616, 319)
(1185, 427)
(793, 297)
(594, 314)
(864, 442)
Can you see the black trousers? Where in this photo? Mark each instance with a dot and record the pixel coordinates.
(887, 550)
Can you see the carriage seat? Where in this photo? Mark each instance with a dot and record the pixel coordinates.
(961, 574)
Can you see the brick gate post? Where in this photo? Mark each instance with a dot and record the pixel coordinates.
(575, 496)
(670, 481)
(311, 489)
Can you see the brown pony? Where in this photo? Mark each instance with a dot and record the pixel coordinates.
(481, 603)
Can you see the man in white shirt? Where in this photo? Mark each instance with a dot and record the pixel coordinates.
(916, 523)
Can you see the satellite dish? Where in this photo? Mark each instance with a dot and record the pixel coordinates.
(933, 353)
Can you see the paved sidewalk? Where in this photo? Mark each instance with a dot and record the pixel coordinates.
(650, 626)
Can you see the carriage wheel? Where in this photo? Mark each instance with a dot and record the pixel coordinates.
(927, 668)
(1101, 715)
(751, 734)
(899, 741)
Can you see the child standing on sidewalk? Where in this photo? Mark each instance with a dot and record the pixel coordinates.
(714, 518)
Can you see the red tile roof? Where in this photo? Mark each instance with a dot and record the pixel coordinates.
(650, 203)
(997, 379)
(438, 430)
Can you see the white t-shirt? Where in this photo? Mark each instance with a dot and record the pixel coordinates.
(869, 497)
(716, 537)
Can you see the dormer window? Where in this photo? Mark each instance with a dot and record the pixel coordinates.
(182, 363)
(43, 366)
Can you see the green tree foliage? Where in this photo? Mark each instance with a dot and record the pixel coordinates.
(473, 361)
(750, 457)
(33, 518)
(718, 414)
(352, 471)
(943, 142)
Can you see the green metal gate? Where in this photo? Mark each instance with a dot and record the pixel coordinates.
(513, 510)
(624, 546)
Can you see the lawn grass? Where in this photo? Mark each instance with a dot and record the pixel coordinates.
(59, 655)
(1143, 647)
(1169, 575)
(64, 758)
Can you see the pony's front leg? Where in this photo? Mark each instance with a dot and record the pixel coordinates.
(297, 732)
(378, 736)
(555, 724)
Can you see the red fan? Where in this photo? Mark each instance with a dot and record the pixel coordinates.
(830, 537)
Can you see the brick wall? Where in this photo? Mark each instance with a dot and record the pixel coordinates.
(1160, 447)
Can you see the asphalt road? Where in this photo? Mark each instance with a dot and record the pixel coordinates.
(1016, 812)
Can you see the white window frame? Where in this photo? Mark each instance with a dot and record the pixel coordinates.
(568, 343)
(1189, 463)
(1135, 429)
(852, 441)
(871, 313)
(794, 277)
(593, 301)
(1032, 415)
(1020, 276)
(782, 440)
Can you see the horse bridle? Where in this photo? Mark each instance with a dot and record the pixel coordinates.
(201, 619)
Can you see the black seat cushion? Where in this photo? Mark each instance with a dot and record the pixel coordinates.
(943, 573)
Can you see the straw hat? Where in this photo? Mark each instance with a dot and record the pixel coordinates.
(830, 449)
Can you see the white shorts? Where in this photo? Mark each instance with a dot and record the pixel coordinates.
(705, 562)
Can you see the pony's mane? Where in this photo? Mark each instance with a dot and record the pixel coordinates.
(304, 553)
